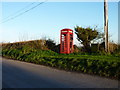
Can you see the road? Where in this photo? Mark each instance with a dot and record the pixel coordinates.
(17, 74)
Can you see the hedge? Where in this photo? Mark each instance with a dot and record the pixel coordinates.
(108, 66)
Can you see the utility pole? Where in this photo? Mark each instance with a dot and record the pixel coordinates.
(106, 25)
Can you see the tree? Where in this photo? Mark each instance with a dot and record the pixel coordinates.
(99, 39)
(85, 36)
(51, 44)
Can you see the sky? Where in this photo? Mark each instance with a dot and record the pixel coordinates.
(49, 18)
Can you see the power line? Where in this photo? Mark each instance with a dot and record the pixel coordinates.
(23, 12)
(19, 10)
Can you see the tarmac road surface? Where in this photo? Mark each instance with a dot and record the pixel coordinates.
(17, 74)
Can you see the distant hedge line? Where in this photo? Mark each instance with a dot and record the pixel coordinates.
(102, 66)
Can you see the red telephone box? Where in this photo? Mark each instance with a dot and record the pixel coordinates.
(66, 41)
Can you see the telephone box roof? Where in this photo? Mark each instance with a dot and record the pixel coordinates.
(66, 29)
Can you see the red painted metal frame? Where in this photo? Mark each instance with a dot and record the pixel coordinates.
(66, 41)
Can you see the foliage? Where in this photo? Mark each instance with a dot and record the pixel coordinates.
(52, 45)
(34, 44)
(100, 36)
(100, 64)
(108, 66)
(85, 36)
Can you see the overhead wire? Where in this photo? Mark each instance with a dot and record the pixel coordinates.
(19, 11)
(23, 12)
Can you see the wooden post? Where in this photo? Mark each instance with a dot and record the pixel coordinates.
(106, 25)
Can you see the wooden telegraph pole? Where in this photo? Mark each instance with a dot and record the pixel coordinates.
(106, 25)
